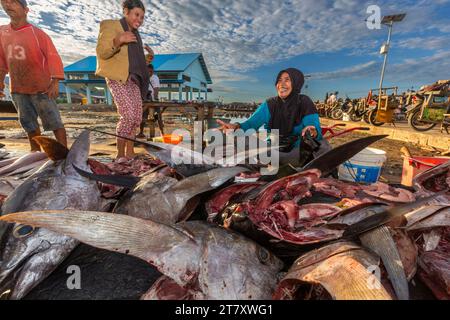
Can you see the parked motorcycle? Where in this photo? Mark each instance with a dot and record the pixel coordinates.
(432, 98)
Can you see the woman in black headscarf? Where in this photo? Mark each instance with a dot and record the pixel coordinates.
(291, 112)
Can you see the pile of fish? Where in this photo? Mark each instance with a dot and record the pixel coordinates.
(154, 229)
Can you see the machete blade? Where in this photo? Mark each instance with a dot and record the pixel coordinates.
(121, 181)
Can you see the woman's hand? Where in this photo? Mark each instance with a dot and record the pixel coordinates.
(228, 126)
(312, 130)
(124, 38)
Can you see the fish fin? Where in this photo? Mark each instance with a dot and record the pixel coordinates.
(190, 187)
(121, 181)
(380, 241)
(344, 273)
(140, 238)
(189, 170)
(54, 149)
(78, 153)
(331, 159)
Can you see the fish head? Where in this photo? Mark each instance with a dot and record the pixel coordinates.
(222, 264)
(28, 255)
(232, 266)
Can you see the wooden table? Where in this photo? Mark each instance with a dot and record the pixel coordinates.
(205, 111)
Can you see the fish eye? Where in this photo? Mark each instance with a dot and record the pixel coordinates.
(22, 231)
(263, 255)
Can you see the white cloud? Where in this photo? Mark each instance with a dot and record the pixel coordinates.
(424, 69)
(236, 37)
(357, 71)
(429, 43)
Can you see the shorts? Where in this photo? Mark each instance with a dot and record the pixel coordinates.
(31, 106)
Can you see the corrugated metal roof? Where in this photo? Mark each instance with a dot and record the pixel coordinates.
(162, 63)
(88, 64)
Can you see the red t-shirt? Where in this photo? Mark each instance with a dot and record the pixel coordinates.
(30, 58)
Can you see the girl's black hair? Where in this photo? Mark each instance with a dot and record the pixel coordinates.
(131, 4)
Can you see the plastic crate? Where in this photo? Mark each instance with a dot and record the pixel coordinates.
(412, 166)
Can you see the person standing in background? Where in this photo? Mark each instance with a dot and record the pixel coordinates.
(153, 95)
(121, 60)
(150, 55)
(27, 53)
(154, 86)
(332, 99)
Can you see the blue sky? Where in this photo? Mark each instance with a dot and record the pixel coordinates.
(245, 43)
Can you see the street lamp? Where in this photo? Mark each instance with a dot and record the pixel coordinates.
(388, 21)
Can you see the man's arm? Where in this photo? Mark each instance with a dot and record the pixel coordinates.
(55, 65)
(3, 70)
(54, 61)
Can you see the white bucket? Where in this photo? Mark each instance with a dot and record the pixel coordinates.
(364, 167)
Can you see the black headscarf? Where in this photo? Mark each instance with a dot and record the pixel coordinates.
(285, 115)
(136, 58)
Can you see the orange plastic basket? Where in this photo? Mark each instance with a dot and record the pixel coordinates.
(172, 139)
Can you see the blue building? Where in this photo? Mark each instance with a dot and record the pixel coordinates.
(6, 90)
(183, 77)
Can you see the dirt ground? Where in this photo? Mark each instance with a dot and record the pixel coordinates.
(76, 118)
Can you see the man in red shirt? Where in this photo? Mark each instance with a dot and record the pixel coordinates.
(27, 53)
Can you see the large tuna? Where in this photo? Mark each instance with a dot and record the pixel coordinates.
(198, 260)
(29, 255)
(162, 198)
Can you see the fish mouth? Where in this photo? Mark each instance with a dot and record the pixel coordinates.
(15, 265)
(9, 277)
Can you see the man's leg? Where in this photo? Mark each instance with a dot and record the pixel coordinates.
(51, 119)
(28, 115)
(61, 136)
(160, 123)
(145, 114)
(35, 147)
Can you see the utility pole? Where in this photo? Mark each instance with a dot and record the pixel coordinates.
(388, 21)
(385, 51)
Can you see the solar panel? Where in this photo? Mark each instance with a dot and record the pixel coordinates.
(393, 18)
